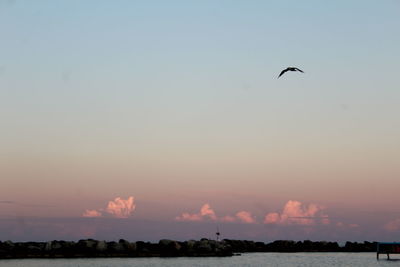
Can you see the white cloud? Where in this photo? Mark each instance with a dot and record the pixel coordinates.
(294, 212)
(118, 207)
(245, 217)
(207, 213)
(121, 208)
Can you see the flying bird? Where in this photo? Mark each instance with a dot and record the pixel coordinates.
(290, 69)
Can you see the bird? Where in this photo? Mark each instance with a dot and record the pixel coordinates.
(290, 69)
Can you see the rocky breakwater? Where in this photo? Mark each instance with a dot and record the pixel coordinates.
(122, 248)
(168, 248)
(239, 246)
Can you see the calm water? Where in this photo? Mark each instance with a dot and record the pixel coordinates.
(250, 259)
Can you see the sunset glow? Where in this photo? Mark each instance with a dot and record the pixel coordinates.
(166, 119)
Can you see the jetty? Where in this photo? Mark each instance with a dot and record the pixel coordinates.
(204, 247)
(387, 248)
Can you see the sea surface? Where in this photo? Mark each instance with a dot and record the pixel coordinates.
(246, 259)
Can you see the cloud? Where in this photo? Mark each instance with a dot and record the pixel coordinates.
(294, 212)
(91, 213)
(118, 208)
(245, 217)
(205, 212)
(272, 217)
(347, 225)
(121, 208)
(393, 225)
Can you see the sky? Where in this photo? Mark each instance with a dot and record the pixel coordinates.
(165, 119)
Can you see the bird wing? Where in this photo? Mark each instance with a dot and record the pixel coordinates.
(282, 72)
(299, 70)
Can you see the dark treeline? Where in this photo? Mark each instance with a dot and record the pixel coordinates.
(168, 248)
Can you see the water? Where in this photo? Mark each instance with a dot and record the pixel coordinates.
(247, 259)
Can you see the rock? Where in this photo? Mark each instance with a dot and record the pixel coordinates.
(86, 248)
(55, 245)
(127, 246)
(223, 249)
(169, 248)
(34, 250)
(101, 246)
(132, 246)
(115, 247)
(142, 247)
(204, 247)
(88, 243)
(47, 248)
(188, 247)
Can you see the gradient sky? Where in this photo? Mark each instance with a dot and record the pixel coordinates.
(177, 104)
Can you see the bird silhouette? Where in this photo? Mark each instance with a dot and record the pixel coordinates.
(290, 69)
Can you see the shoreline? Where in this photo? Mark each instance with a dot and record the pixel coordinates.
(90, 248)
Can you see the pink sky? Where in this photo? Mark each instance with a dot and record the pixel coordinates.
(292, 220)
(168, 121)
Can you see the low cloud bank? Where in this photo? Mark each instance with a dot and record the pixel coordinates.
(245, 217)
(207, 213)
(119, 208)
(294, 212)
